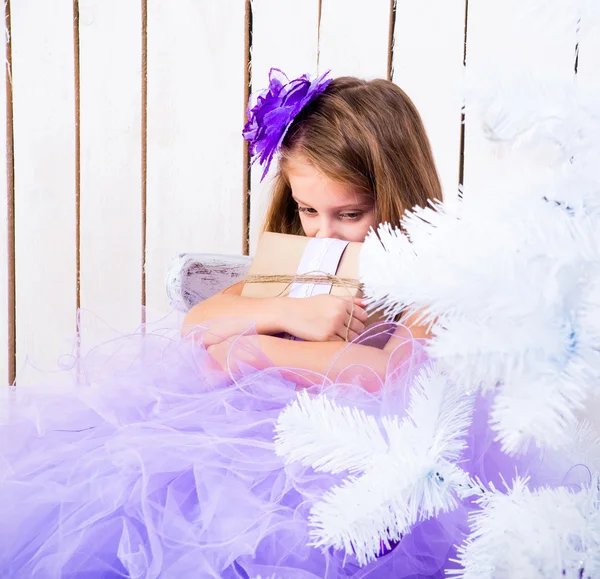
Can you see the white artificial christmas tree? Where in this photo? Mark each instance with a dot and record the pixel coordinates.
(401, 471)
(509, 279)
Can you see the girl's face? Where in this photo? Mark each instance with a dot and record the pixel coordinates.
(328, 208)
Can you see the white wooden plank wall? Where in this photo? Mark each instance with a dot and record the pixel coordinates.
(157, 165)
(6, 346)
(354, 37)
(506, 52)
(195, 193)
(111, 175)
(284, 36)
(45, 185)
(588, 38)
(427, 64)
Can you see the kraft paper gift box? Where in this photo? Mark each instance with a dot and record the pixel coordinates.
(281, 257)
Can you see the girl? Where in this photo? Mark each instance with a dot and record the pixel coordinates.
(353, 154)
(158, 463)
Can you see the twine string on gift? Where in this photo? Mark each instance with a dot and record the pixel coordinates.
(311, 277)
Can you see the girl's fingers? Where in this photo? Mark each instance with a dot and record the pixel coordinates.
(349, 333)
(356, 301)
(356, 326)
(357, 313)
(352, 335)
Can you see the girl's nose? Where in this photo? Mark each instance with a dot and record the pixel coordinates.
(327, 226)
(325, 231)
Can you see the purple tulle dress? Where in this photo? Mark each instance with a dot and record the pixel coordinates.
(146, 459)
(150, 461)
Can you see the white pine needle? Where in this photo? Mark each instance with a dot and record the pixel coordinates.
(539, 411)
(329, 437)
(378, 507)
(510, 283)
(407, 475)
(535, 534)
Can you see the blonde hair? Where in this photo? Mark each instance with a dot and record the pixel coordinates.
(364, 133)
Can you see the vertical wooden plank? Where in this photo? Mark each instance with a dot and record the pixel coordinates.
(284, 36)
(354, 37)
(427, 63)
(514, 48)
(6, 347)
(588, 39)
(196, 62)
(111, 220)
(44, 161)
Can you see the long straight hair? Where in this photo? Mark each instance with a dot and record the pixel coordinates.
(367, 134)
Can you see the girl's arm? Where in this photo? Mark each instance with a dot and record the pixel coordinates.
(318, 356)
(324, 357)
(228, 313)
(319, 318)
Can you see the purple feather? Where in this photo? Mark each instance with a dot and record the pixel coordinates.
(274, 110)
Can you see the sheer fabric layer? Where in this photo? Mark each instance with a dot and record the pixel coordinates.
(150, 461)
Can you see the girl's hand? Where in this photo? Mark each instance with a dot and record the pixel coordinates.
(324, 318)
(245, 349)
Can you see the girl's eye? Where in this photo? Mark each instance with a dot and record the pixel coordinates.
(351, 216)
(307, 210)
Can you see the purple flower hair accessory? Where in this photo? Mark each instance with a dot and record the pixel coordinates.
(274, 110)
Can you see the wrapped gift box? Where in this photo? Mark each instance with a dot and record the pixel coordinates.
(283, 263)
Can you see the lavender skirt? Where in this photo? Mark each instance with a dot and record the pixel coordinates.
(146, 460)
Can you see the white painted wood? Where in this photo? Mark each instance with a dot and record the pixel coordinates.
(111, 177)
(588, 69)
(196, 60)
(428, 65)
(588, 92)
(193, 277)
(354, 37)
(284, 36)
(44, 142)
(519, 36)
(514, 49)
(4, 257)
